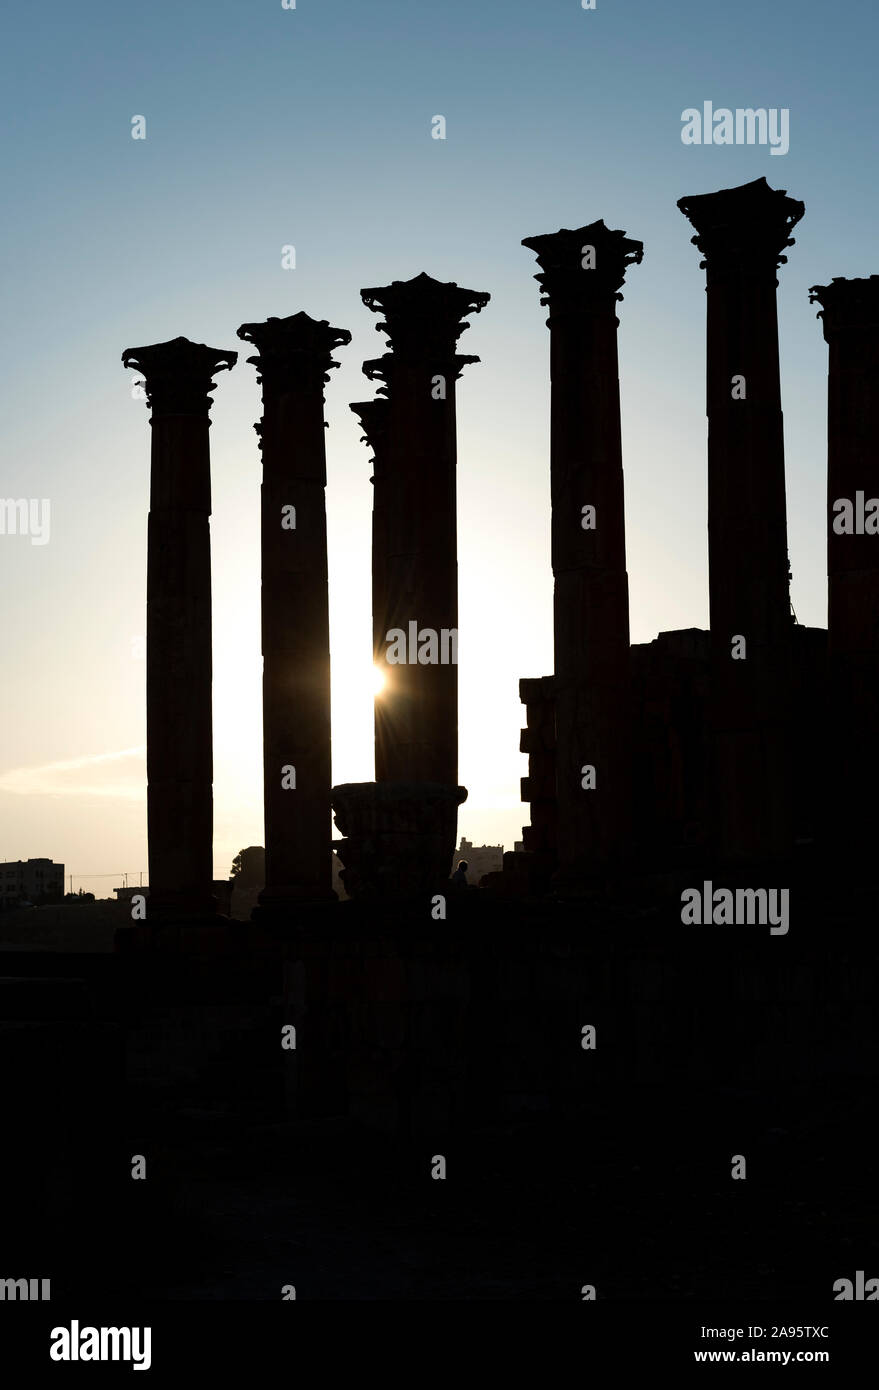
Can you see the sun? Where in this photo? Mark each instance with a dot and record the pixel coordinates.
(378, 680)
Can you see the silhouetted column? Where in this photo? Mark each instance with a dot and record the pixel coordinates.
(294, 360)
(540, 838)
(741, 233)
(373, 416)
(850, 314)
(178, 382)
(581, 275)
(415, 502)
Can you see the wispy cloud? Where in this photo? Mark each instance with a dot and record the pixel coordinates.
(121, 775)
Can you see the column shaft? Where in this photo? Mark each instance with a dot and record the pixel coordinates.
(373, 416)
(415, 526)
(179, 725)
(582, 272)
(850, 313)
(741, 233)
(293, 362)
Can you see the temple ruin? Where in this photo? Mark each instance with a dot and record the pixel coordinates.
(539, 1031)
(642, 759)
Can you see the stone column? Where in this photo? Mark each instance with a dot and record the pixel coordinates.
(400, 830)
(742, 233)
(373, 417)
(178, 383)
(850, 314)
(581, 275)
(416, 524)
(294, 360)
(540, 838)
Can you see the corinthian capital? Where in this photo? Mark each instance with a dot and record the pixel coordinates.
(580, 268)
(177, 374)
(848, 305)
(423, 317)
(743, 229)
(373, 417)
(294, 353)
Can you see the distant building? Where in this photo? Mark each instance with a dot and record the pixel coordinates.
(481, 860)
(30, 881)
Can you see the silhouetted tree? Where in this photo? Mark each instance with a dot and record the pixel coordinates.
(249, 869)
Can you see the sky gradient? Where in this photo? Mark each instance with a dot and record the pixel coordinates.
(268, 127)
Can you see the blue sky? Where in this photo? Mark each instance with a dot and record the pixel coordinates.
(311, 127)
